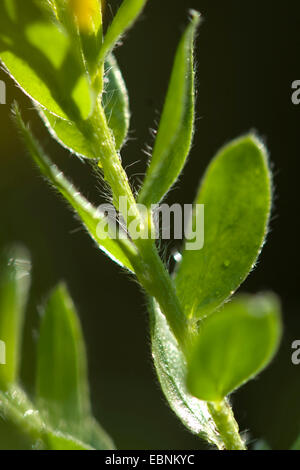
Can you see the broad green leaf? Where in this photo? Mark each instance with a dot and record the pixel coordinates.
(236, 193)
(14, 286)
(125, 17)
(171, 370)
(93, 219)
(175, 130)
(233, 346)
(115, 102)
(39, 56)
(62, 382)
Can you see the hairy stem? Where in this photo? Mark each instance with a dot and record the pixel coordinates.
(226, 424)
(149, 268)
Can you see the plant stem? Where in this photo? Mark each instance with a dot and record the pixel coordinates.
(149, 268)
(226, 424)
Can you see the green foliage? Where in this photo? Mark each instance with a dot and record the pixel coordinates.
(62, 390)
(125, 17)
(175, 130)
(61, 416)
(56, 51)
(90, 216)
(39, 56)
(14, 285)
(233, 346)
(236, 193)
(170, 366)
(115, 101)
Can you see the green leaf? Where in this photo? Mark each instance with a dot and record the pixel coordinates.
(175, 130)
(16, 408)
(233, 346)
(171, 370)
(39, 56)
(236, 193)
(296, 445)
(83, 21)
(116, 105)
(62, 383)
(93, 219)
(115, 101)
(14, 286)
(55, 440)
(124, 19)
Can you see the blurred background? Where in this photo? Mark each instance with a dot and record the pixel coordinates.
(247, 58)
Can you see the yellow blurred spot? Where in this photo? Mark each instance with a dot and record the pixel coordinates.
(86, 13)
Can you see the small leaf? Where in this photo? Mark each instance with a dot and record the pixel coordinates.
(171, 370)
(93, 219)
(115, 102)
(14, 285)
(39, 57)
(175, 130)
(236, 193)
(125, 17)
(233, 346)
(62, 382)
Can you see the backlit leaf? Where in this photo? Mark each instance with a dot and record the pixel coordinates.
(233, 346)
(62, 382)
(236, 193)
(175, 130)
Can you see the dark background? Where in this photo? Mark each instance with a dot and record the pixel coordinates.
(247, 58)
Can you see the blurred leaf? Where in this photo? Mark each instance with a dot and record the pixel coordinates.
(233, 346)
(236, 193)
(115, 102)
(296, 445)
(83, 21)
(59, 441)
(62, 381)
(261, 444)
(39, 57)
(171, 370)
(87, 14)
(94, 220)
(14, 285)
(16, 408)
(124, 19)
(175, 130)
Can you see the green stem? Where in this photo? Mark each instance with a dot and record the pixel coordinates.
(226, 424)
(149, 268)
